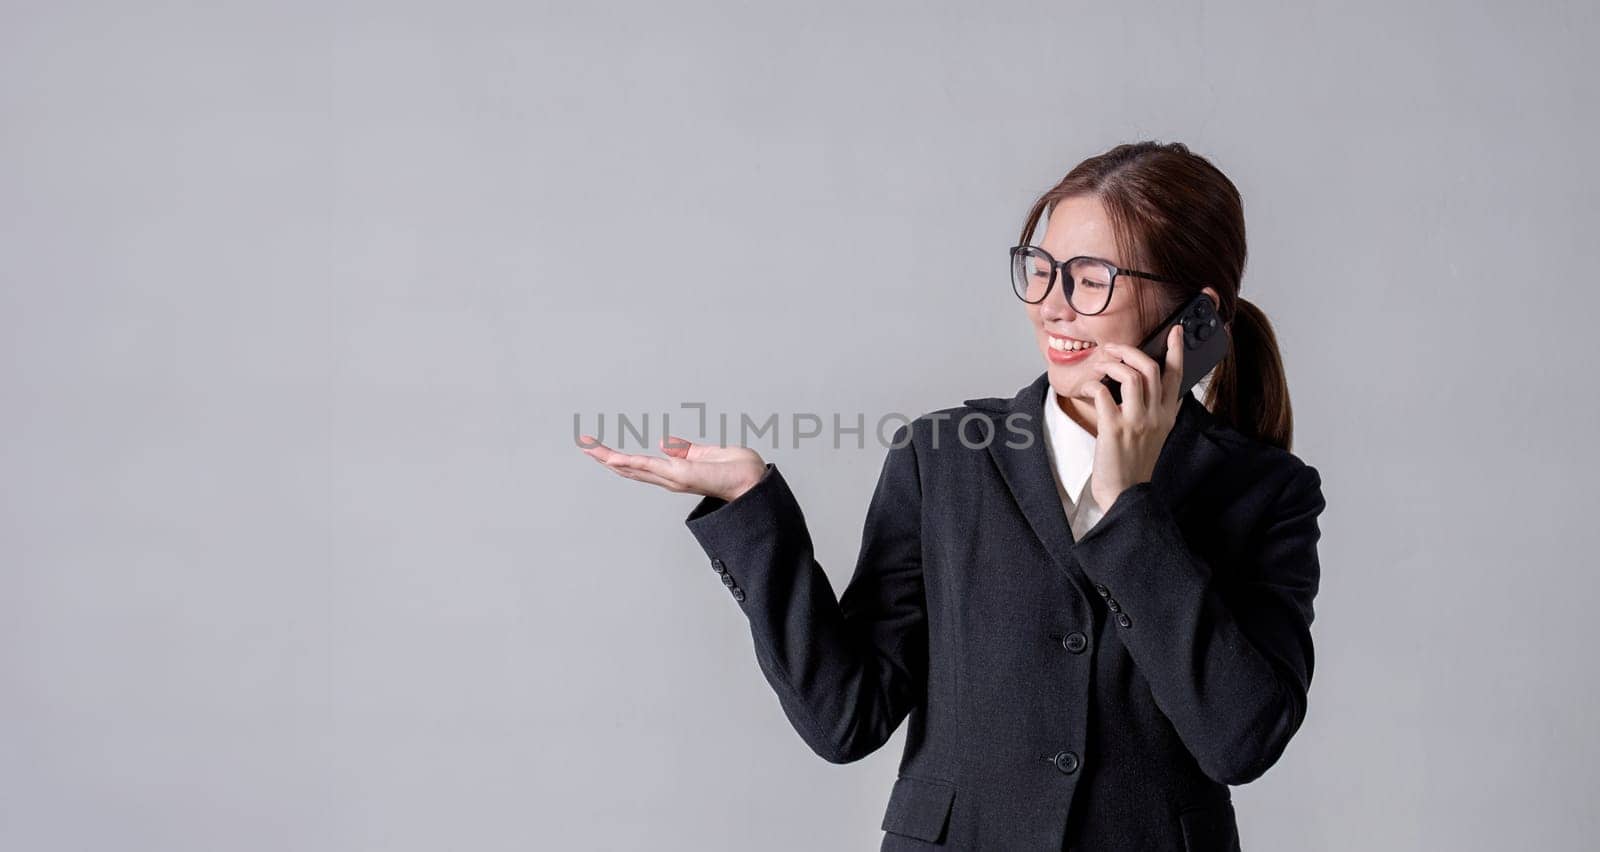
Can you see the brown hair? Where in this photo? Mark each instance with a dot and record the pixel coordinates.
(1176, 215)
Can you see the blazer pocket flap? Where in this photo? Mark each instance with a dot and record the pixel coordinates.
(1209, 829)
(919, 807)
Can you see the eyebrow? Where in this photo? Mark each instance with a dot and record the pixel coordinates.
(1072, 256)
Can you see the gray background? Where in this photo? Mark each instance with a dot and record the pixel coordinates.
(299, 302)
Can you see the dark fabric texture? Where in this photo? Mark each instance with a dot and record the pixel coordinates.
(1094, 694)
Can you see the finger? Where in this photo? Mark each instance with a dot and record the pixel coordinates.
(1105, 409)
(627, 472)
(1095, 366)
(1119, 354)
(646, 476)
(1105, 354)
(1140, 360)
(664, 468)
(1100, 367)
(1133, 356)
(613, 459)
(1133, 389)
(644, 468)
(683, 448)
(593, 448)
(1172, 377)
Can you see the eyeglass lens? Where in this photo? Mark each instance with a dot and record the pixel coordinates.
(1090, 285)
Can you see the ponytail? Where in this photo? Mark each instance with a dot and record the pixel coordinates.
(1249, 391)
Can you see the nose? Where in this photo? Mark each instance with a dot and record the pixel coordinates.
(1055, 305)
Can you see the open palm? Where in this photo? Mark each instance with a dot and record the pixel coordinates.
(711, 470)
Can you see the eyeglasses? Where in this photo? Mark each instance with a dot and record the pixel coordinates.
(1088, 280)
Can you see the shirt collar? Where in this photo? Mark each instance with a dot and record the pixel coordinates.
(1069, 446)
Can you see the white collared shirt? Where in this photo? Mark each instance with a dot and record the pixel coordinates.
(1070, 449)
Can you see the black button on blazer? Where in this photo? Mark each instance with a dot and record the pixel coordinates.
(1191, 599)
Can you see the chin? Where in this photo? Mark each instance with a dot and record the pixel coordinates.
(1065, 378)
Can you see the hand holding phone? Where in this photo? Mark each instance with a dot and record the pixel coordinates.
(1205, 342)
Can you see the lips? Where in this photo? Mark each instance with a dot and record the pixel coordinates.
(1056, 354)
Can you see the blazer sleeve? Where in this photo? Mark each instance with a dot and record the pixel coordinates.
(1228, 664)
(846, 670)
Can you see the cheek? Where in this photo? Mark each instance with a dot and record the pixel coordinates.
(1120, 332)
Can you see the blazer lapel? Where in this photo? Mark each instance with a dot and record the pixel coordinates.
(1018, 449)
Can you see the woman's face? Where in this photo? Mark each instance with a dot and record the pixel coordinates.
(1079, 226)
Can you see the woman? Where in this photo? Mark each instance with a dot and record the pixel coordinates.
(1095, 615)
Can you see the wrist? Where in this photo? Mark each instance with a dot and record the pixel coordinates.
(744, 485)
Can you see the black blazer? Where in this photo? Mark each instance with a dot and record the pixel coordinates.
(1095, 694)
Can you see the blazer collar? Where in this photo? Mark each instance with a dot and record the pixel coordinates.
(1190, 453)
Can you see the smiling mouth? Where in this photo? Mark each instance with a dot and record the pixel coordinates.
(1063, 344)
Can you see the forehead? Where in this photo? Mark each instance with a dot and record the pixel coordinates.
(1079, 226)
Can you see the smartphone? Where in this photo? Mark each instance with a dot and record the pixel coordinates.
(1205, 341)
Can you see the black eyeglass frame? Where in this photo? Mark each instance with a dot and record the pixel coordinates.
(1057, 268)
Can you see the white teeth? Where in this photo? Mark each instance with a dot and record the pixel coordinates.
(1069, 345)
